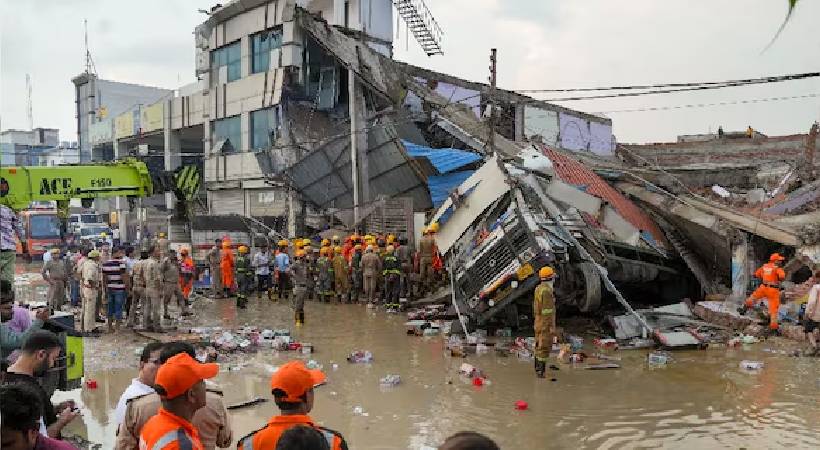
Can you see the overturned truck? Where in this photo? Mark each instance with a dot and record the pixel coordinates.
(510, 219)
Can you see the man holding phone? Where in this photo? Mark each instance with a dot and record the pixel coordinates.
(10, 339)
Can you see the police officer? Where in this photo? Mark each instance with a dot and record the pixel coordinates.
(54, 272)
(90, 281)
(163, 244)
(371, 266)
(243, 277)
(340, 276)
(391, 269)
(311, 255)
(543, 309)
(427, 250)
(298, 271)
(138, 288)
(214, 259)
(324, 272)
(170, 283)
(405, 256)
(153, 291)
(356, 272)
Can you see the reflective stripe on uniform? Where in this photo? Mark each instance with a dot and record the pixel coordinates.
(328, 437)
(247, 443)
(179, 435)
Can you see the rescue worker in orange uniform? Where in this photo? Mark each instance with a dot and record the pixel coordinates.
(292, 388)
(771, 275)
(226, 266)
(186, 274)
(180, 384)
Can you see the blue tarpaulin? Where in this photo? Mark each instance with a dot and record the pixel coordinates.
(444, 160)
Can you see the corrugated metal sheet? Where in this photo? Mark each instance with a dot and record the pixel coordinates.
(324, 175)
(445, 160)
(573, 172)
(441, 185)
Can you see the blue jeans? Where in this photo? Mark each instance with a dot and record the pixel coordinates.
(116, 300)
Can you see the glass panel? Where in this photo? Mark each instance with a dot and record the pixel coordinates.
(229, 128)
(234, 71)
(44, 226)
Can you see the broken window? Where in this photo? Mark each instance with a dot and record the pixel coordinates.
(264, 126)
(230, 129)
(228, 55)
(261, 45)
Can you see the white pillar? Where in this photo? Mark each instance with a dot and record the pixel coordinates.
(121, 203)
(740, 266)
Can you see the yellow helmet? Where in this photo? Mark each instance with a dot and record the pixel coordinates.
(300, 253)
(325, 242)
(391, 238)
(336, 238)
(243, 249)
(433, 227)
(104, 234)
(338, 249)
(306, 242)
(161, 234)
(546, 273)
(389, 249)
(357, 247)
(284, 243)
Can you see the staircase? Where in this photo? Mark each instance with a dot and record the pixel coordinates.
(674, 237)
(422, 24)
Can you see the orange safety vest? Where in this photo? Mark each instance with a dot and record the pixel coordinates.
(267, 437)
(167, 431)
(770, 274)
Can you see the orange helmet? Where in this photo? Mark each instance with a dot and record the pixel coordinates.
(300, 253)
(325, 242)
(776, 257)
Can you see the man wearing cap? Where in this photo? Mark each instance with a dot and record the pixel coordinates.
(391, 270)
(180, 384)
(543, 309)
(211, 422)
(405, 256)
(163, 243)
(214, 258)
(340, 276)
(427, 250)
(90, 282)
(54, 272)
(292, 388)
(243, 277)
(771, 275)
(152, 303)
(298, 271)
(371, 265)
(356, 273)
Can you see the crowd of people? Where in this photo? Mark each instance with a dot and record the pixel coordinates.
(170, 406)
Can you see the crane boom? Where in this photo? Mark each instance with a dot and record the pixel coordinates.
(21, 185)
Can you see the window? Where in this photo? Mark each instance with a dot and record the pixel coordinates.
(264, 125)
(44, 226)
(229, 128)
(261, 45)
(229, 55)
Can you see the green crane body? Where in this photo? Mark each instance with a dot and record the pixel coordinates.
(21, 185)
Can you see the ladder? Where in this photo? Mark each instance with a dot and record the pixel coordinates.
(422, 24)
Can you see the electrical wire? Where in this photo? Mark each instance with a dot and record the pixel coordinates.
(707, 105)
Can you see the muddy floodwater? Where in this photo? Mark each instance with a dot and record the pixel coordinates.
(701, 400)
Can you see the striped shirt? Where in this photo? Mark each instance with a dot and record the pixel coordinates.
(114, 271)
(9, 225)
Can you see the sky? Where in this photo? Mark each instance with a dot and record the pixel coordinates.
(542, 44)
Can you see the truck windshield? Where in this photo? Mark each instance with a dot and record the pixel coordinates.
(44, 226)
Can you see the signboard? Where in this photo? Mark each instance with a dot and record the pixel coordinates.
(152, 117)
(127, 123)
(101, 132)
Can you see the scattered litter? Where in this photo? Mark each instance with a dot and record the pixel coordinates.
(503, 332)
(604, 357)
(521, 405)
(91, 384)
(335, 366)
(602, 366)
(576, 358)
(360, 356)
(359, 411)
(751, 365)
(470, 370)
(481, 348)
(390, 380)
(313, 365)
(478, 381)
(747, 339)
(247, 403)
(609, 343)
(307, 348)
(658, 358)
(576, 342)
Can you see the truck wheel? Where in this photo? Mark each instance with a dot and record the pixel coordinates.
(590, 300)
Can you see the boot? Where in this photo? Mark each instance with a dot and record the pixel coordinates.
(297, 318)
(301, 317)
(540, 368)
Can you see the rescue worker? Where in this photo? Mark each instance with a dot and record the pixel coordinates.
(323, 274)
(347, 249)
(299, 275)
(771, 275)
(427, 250)
(170, 283)
(138, 289)
(214, 260)
(243, 277)
(391, 269)
(180, 384)
(153, 291)
(163, 244)
(211, 422)
(282, 262)
(356, 273)
(340, 275)
(405, 256)
(543, 310)
(311, 254)
(54, 272)
(371, 266)
(186, 275)
(292, 388)
(336, 241)
(226, 265)
(90, 281)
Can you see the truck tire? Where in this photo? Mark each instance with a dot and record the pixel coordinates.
(590, 300)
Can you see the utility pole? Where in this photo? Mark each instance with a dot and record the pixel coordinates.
(354, 151)
(29, 109)
(491, 102)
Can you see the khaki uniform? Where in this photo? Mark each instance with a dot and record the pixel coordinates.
(405, 257)
(212, 421)
(340, 274)
(543, 310)
(163, 245)
(214, 259)
(170, 285)
(371, 268)
(137, 290)
(90, 281)
(55, 273)
(427, 248)
(299, 278)
(153, 294)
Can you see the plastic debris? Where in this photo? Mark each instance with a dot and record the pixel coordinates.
(576, 358)
(360, 356)
(609, 344)
(335, 366)
(521, 405)
(313, 365)
(751, 365)
(390, 380)
(478, 381)
(576, 342)
(359, 411)
(747, 339)
(469, 370)
(307, 348)
(658, 358)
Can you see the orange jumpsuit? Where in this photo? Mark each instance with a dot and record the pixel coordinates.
(771, 275)
(186, 276)
(227, 266)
